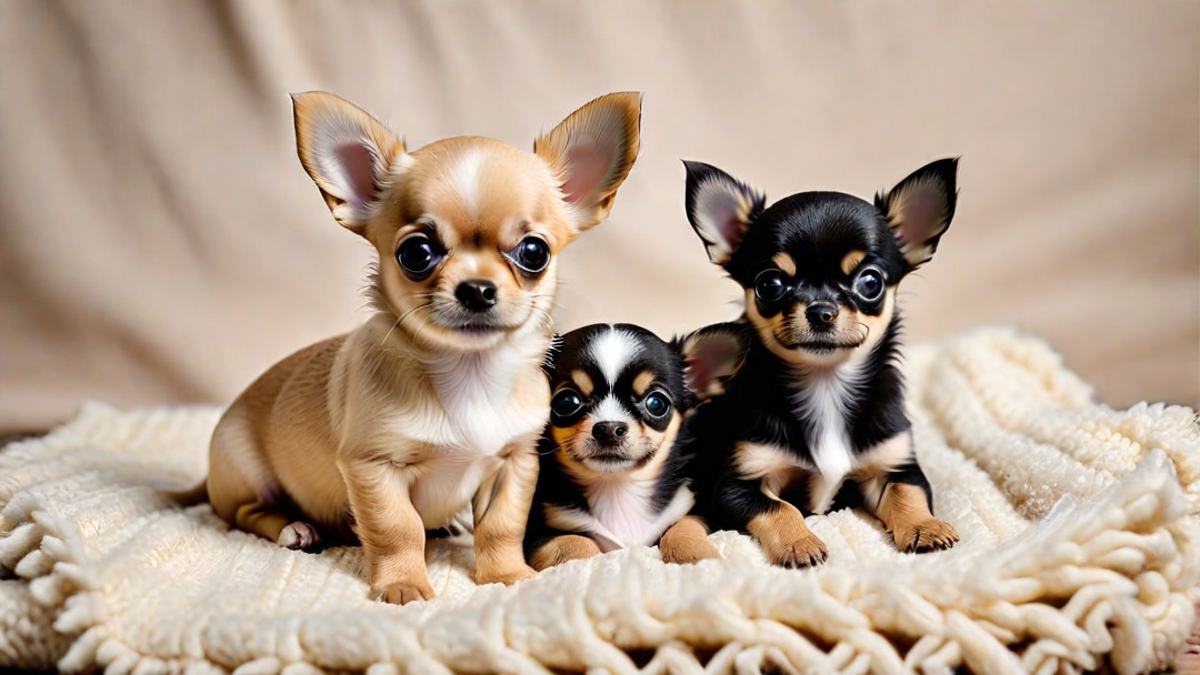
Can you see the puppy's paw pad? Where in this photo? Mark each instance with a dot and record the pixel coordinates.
(299, 537)
(405, 592)
(506, 577)
(807, 552)
(925, 536)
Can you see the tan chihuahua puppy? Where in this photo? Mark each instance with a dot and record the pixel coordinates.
(435, 405)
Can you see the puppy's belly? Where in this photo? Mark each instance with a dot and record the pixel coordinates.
(447, 481)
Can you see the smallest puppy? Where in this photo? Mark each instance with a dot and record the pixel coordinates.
(612, 468)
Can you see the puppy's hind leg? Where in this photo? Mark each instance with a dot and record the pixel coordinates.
(243, 489)
(270, 522)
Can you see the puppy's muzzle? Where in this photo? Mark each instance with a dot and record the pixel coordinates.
(612, 446)
(822, 316)
(610, 434)
(476, 295)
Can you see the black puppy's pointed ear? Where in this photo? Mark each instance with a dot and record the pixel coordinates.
(920, 208)
(720, 208)
(712, 355)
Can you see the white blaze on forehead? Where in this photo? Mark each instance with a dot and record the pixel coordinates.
(612, 351)
(470, 263)
(466, 174)
(610, 410)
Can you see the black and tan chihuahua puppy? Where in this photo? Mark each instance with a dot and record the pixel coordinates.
(612, 467)
(815, 417)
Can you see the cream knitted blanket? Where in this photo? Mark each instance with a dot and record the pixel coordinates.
(1079, 550)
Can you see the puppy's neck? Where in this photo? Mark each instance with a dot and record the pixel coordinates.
(822, 397)
(456, 375)
(486, 376)
(621, 503)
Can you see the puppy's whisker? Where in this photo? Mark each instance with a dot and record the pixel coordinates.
(388, 334)
(400, 320)
(418, 326)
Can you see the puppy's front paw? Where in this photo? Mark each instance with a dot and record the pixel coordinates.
(507, 577)
(686, 542)
(689, 552)
(563, 548)
(404, 592)
(807, 551)
(925, 536)
(299, 536)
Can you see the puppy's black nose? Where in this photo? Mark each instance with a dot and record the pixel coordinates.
(476, 295)
(609, 433)
(821, 315)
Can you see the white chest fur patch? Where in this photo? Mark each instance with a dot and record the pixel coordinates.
(476, 395)
(621, 515)
(610, 410)
(823, 400)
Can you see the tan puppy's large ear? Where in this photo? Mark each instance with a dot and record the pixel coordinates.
(349, 155)
(592, 151)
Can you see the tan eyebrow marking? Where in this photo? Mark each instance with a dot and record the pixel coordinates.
(583, 381)
(851, 261)
(785, 264)
(642, 382)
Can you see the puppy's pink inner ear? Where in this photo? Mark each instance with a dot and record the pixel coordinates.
(699, 375)
(704, 365)
(919, 218)
(726, 212)
(587, 167)
(357, 166)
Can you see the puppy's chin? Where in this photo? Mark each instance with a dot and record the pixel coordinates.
(809, 349)
(601, 459)
(447, 331)
(821, 353)
(824, 358)
(465, 338)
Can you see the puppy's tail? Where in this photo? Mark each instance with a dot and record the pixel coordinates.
(191, 496)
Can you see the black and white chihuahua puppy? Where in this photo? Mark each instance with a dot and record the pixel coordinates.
(612, 469)
(815, 417)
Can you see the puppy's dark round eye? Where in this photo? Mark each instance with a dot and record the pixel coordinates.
(657, 405)
(770, 286)
(532, 255)
(869, 285)
(418, 255)
(566, 403)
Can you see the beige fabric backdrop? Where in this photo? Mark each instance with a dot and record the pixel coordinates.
(159, 241)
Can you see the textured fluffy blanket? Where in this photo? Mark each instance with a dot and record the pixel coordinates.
(1079, 550)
